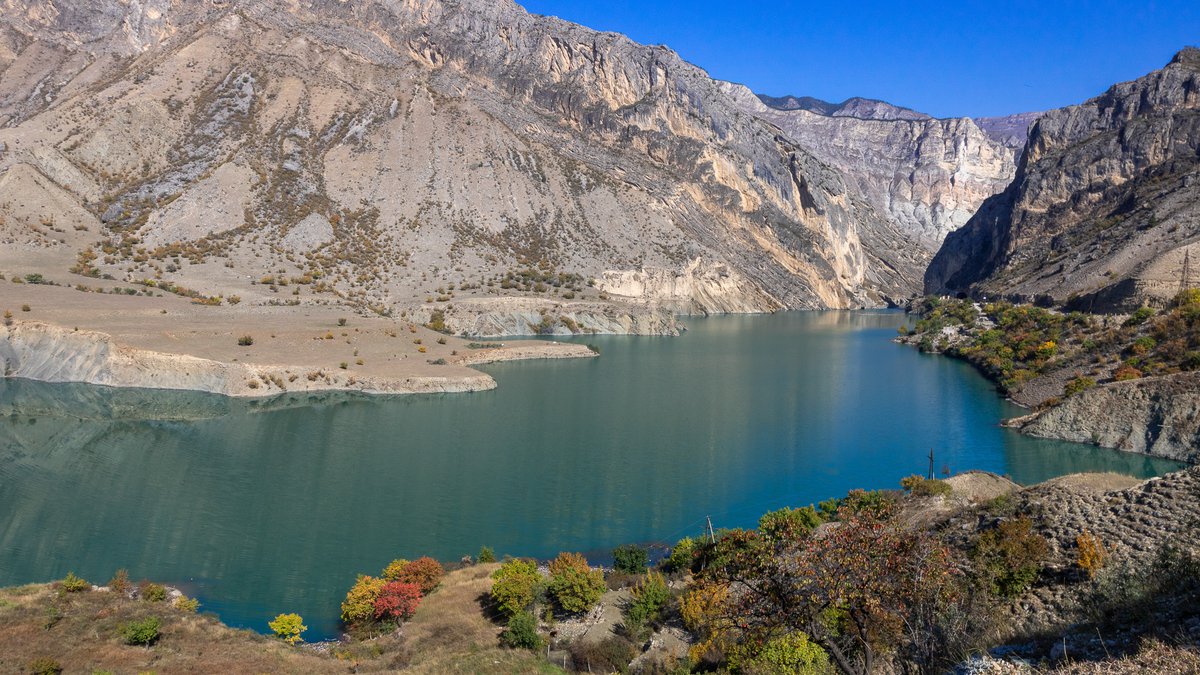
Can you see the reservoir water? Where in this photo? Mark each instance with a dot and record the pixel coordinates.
(267, 507)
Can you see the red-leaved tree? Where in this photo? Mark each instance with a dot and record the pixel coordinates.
(425, 572)
(397, 600)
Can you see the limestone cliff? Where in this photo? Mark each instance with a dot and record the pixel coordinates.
(927, 176)
(402, 155)
(1105, 207)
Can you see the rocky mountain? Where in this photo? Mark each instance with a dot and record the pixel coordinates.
(1010, 130)
(1104, 212)
(864, 108)
(411, 156)
(927, 176)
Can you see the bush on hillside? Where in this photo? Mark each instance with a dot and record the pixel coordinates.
(630, 559)
(920, 486)
(576, 587)
(521, 632)
(140, 632)
(515, 586)
(1009, 557)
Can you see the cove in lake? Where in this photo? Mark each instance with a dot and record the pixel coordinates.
(261, 507)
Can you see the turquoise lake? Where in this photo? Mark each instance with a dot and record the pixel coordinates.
(267, 507)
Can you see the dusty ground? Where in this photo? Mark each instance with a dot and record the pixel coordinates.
(307, 338)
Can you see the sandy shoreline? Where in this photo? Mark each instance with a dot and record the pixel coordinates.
(170, 343)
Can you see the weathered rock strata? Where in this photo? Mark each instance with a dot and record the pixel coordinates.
(928, 176)
(1104, 207)
(390, 149)
(1157, 416)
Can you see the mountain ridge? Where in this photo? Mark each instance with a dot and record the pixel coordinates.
(1102, 212)
(602, 156)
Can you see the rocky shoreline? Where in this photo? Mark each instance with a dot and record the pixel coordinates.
(1151, 415)
(48, 353)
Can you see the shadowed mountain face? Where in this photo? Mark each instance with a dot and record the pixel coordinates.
(1104, 212)
(385, 150)
(862, 108)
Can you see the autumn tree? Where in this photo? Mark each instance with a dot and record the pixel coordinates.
(397, 600)
(288, 627)
(359, 605)
(425, 572)
(851, 587)
(515, 585)
(576, 587)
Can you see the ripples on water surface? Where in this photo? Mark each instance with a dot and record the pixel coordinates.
(267, 507)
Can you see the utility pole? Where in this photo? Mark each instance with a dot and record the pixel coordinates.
(712, 538)
(931, 475)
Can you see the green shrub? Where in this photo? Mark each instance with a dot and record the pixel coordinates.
(1139, 317)
(73, 584)
(630, 559)
(521, 632)
(682, 554)
(1077, 385)
(919, 486)
(789, 524)
(1008, 558)
(486, 555)
(140, 632)
(650, 596)
(245, 340)
(437, 321)
(515, 586)
(153, 592)
(45, 666)
(792, 654)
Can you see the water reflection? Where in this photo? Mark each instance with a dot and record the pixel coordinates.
(273, 506)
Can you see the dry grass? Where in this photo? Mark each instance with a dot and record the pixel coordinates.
(452, 618)
(449, 634)
(1155, 658)
(85, 637)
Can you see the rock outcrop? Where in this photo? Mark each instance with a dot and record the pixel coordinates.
(46, 353)
(1105, 207)
(927, 176)
(1153, 416)
(385, 152)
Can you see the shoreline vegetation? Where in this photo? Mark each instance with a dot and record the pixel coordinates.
(970, 571)
(1125, 382)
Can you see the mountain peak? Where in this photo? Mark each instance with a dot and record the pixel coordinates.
(861, 108)
(1188, 57)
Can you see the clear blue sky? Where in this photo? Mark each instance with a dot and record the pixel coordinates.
(946, 59)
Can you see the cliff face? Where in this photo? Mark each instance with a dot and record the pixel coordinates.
(1104, 208)
(927, 176)
(1154, 416)
(386, 149)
